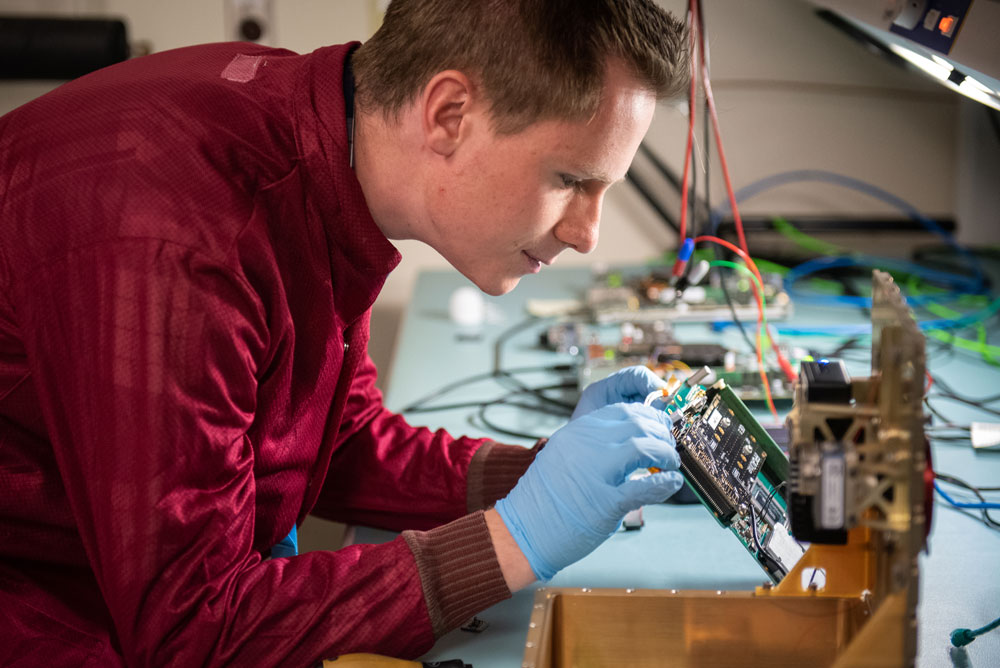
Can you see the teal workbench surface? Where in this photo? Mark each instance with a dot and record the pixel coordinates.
(681, 546)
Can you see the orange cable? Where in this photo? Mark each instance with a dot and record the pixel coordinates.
(759, 298)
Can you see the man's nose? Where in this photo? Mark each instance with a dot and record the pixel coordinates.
(579, 227)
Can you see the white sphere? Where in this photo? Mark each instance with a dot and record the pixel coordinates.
(467, 307)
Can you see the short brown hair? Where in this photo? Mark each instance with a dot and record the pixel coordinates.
(535, 59)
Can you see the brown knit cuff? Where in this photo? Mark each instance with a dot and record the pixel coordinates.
(458, 569)
(494, 470)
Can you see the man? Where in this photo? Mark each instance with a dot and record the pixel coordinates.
(189, 247)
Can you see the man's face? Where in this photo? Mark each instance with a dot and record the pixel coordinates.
(504, 205)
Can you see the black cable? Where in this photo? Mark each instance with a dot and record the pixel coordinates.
(706, 134)
(503, 430)
(729, 299)
(763, 557)
(661, 166)
(767, 502)
(943, 348)
(753, 530)
(958, 482)
(693, 195)
(963, 400)
(851, 290)
(515, 385)
(764, 506)
(930, 256)
(450, 387)
(970, 514)
(706, 120)
(505, 378)
(983, 400)
(508, 333)
(505, 400)
(934, 411)
(643, 189)
(844, 346)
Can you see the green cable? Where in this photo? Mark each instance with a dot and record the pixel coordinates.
(803, 240)
(766, 337)
(760, 288)
(811, 243)
(823, 285)
(989, 353)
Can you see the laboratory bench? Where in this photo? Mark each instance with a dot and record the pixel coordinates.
(680, 546)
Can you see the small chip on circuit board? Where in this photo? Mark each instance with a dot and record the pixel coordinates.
(721, 458)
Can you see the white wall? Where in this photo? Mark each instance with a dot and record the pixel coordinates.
(792, 93)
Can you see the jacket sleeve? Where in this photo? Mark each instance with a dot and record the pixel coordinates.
(389, 474)
(386, 473)
(144, 354)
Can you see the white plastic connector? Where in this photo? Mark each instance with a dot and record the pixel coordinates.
(985, 434)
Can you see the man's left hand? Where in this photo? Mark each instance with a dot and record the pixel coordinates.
(628, 385)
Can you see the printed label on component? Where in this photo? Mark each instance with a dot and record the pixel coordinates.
(832, 493)
(714, 419)
(784, 547)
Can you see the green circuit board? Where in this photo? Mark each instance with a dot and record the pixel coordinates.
(737, 471)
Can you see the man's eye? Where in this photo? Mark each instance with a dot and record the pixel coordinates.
(570, 181)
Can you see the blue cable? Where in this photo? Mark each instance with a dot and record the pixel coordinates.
(861, 330)
(800, 175)
(962, 284)
(962, 637)
(962, 504)
(818, 264)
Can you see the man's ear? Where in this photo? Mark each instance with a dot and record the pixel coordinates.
(449, 99)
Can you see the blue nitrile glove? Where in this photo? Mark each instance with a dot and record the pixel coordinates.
(628, 385)
(576, 492)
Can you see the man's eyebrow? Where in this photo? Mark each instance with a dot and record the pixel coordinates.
(599, 176)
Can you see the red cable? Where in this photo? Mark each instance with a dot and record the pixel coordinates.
(710, 100)
(760, 318)
(786, 367)
(743, 251)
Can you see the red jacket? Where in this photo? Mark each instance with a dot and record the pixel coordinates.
(186, 269)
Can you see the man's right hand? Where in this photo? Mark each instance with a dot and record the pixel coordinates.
(575, 494)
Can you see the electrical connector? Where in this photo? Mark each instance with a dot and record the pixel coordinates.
(698, 272)
(962, 637)
(683, 255)
(985, 434)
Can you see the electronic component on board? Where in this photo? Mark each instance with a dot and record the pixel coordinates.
(734, 467)
(603, 350)
(659, 296)
(824, 470)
